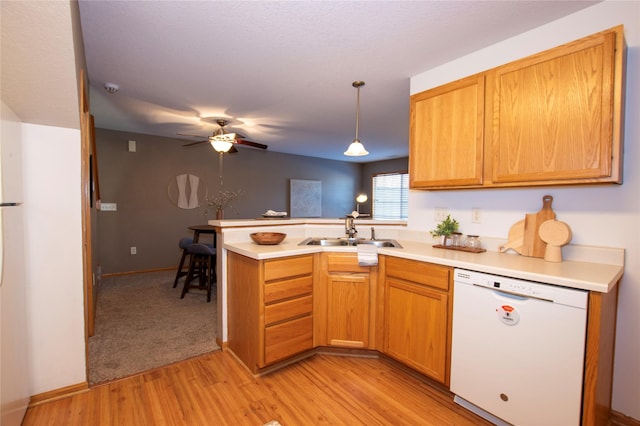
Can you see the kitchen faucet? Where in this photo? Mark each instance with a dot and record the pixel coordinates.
(350, 226)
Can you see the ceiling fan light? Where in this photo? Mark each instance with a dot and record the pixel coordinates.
(222, 142)
(221, 146)
(356, 149)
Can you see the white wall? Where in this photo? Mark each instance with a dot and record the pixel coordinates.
(53, 243)
(600, 216)
(14, 356)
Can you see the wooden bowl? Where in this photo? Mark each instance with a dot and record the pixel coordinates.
(268, 238)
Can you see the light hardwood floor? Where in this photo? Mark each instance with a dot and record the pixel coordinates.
(215, 389)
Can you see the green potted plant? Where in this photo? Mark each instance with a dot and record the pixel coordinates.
(444, 229)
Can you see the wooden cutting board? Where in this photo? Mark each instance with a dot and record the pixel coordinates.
(532, 244)
(515, 239)
(555, 234)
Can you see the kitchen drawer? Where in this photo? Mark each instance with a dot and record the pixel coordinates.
(345, 262)
(275, 269)
(291, 308)
(288, 338)
(287, 289)
(418, 272)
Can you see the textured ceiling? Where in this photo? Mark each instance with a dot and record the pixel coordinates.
(39, 80)
(282, 71)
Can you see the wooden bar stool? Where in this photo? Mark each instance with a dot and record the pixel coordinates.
(183, 244)
(202, 265)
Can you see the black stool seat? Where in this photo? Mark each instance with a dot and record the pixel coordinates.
(202, 266)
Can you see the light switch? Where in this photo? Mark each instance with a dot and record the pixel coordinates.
(132, 146)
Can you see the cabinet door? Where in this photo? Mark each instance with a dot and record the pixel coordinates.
(447, 134)
(552, 114)
(416, 321)
(348, 310)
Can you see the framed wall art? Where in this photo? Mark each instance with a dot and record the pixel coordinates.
(306, 198)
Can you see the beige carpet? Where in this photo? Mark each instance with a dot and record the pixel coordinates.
(141, 323)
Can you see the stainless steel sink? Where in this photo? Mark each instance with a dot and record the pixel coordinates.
(323, 241)
(382, 243)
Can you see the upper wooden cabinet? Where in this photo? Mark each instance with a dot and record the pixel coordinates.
(447, 135)
(554, 118)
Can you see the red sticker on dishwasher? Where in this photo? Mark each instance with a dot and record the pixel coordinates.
(508, 314)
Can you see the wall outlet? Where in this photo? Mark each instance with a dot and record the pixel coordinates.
(476, 216)
(134, 250)
(441, 213)
(108, 207)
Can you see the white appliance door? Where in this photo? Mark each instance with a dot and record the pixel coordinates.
(14, 371)
(518, 358)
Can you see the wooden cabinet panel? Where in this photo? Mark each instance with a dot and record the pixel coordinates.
(244, 308)
(288, 309)
(286, 289)
(552, 113)
(418, 272)
(288, 338)
(349, 304)
(416, 327)
(417, 315)
(345, 302)
(447, 134)
(344, 262)
(286, 267)
(270, 308)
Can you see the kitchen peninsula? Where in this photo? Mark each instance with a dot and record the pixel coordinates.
(287, 300)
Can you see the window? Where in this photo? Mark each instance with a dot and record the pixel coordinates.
(390, 196)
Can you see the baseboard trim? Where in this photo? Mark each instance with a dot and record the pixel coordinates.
(223, 345)
(117, 274)
(60, 393)
(619, 419)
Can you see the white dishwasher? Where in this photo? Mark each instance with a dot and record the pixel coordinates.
(518, 349)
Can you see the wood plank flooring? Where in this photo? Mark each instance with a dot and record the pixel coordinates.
(215, 389)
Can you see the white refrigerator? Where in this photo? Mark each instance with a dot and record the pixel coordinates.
(14, 363)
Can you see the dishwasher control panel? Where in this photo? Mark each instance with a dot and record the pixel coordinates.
(518, 287)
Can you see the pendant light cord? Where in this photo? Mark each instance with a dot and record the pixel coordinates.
(357, 112)
(357, 85)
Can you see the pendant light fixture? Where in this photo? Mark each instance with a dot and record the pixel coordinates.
(356, 149)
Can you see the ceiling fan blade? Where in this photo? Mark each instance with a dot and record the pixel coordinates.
(191, 136)
(195, 143)
(253, 144)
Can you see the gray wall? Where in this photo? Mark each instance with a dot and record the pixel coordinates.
(148, 219)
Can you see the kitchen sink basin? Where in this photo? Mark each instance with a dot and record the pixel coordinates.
(328, 242)
(381, 243)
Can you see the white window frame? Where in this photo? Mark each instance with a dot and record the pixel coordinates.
(387, 205)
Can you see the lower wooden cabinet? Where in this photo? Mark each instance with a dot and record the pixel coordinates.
(345, 302)
(417, 316)
(270, 308)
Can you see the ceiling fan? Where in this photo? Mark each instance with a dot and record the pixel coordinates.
(224, 142)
